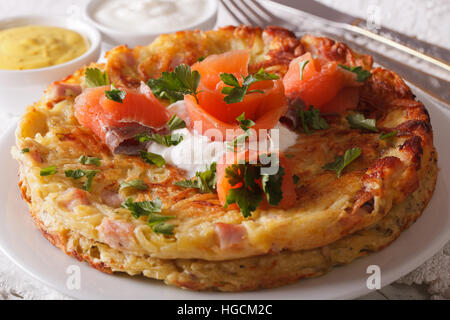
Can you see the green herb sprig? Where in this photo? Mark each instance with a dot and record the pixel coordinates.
(94, 77)
(361, 74)
(311, 119)
(205, 180)
(174, 85)
(359, 121)
(151, 209)
(235, 92)
(115, 94)
(340, 162)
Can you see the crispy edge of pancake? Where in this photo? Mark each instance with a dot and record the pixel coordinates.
(266, 271)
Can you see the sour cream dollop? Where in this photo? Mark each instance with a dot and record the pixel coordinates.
(196, 152)
(156, 16)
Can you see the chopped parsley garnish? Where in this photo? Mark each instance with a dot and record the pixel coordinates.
(167, 140)
(89, 160)
(246, 192)
(94, 77)
(361, 74)
(150, 209)
(388, 135)
(205, 180)
(311, 119)
(236, 92)
(48, 171)
(245, 125)
(174, 85)
(152, 158)
(295, 178)
(115, 94)
(358, 121)
(79, 173)
(164, 228)
(137, 184)
(25, 150)
(302, 65)
(201, 59)
(249, 195)
(340, 162)
(176, 122)
(271, 185)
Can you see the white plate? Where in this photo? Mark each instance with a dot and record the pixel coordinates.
(25, 245)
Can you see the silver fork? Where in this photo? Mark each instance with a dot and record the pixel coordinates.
(251, 12)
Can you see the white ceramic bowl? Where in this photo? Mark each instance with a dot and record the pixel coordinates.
(20, 88)
(132, 39)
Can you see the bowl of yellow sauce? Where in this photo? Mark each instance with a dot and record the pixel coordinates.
(38, 50)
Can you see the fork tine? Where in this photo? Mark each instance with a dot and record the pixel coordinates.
(270, 17)
(231, 12)
(262, 21)
(239, 7)
(263, 10)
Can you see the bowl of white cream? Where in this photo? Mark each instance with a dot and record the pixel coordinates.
(139, 22)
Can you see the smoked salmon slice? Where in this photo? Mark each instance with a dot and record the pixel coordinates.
(108, 119)
(264, 108)
(318, 81)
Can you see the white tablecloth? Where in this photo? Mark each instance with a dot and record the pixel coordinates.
(428, 20)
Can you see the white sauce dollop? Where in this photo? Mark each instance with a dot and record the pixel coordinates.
(196, 151)
(155, 16)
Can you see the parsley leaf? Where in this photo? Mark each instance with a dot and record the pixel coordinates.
(271, 185)
(246, 190)
(340, 162)
(115, 94)
(174, 85)
(75, 174)
(93, 77)
(48, 171)
(89, 160)
(176, 123)
(246, 199)
(152, 158)
(358, 121)
(25, 150)
(152, 210)
(206, 180)
(142, 208)
(163, 228)
(295, 178)
(311, 119)
(388, 135)
(236, 93)
(90, 174)
(136, 184)
(167, 140)
(361, 74)
(79, 173)
(249, 194)
(245, 125)
(302, 65)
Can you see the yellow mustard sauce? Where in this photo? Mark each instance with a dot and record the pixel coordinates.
(32, 47)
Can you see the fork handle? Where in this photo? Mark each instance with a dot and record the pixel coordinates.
(431, 53)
